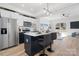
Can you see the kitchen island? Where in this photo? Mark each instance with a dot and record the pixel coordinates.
(34, 42)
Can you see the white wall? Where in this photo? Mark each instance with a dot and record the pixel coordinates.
(60, 19)
(54, 20)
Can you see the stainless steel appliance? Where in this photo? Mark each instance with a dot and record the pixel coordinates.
(8, 32)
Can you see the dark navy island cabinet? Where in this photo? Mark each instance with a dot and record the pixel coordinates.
(32, 43)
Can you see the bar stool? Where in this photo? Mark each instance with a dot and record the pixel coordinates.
(42, 44)
(50, 48)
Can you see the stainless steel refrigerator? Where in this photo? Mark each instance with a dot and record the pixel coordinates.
(8, 32)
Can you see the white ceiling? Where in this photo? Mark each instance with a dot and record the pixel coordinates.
(37, 9)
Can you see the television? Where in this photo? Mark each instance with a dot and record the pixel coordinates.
(74, 25)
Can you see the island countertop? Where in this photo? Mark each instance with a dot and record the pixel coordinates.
(37, 34)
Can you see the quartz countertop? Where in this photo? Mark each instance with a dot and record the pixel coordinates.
(36, 33)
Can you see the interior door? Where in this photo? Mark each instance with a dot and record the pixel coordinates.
(12, 32)
(4, 33)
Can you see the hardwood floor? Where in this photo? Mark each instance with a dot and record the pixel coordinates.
(14, 51)
(66, 47)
